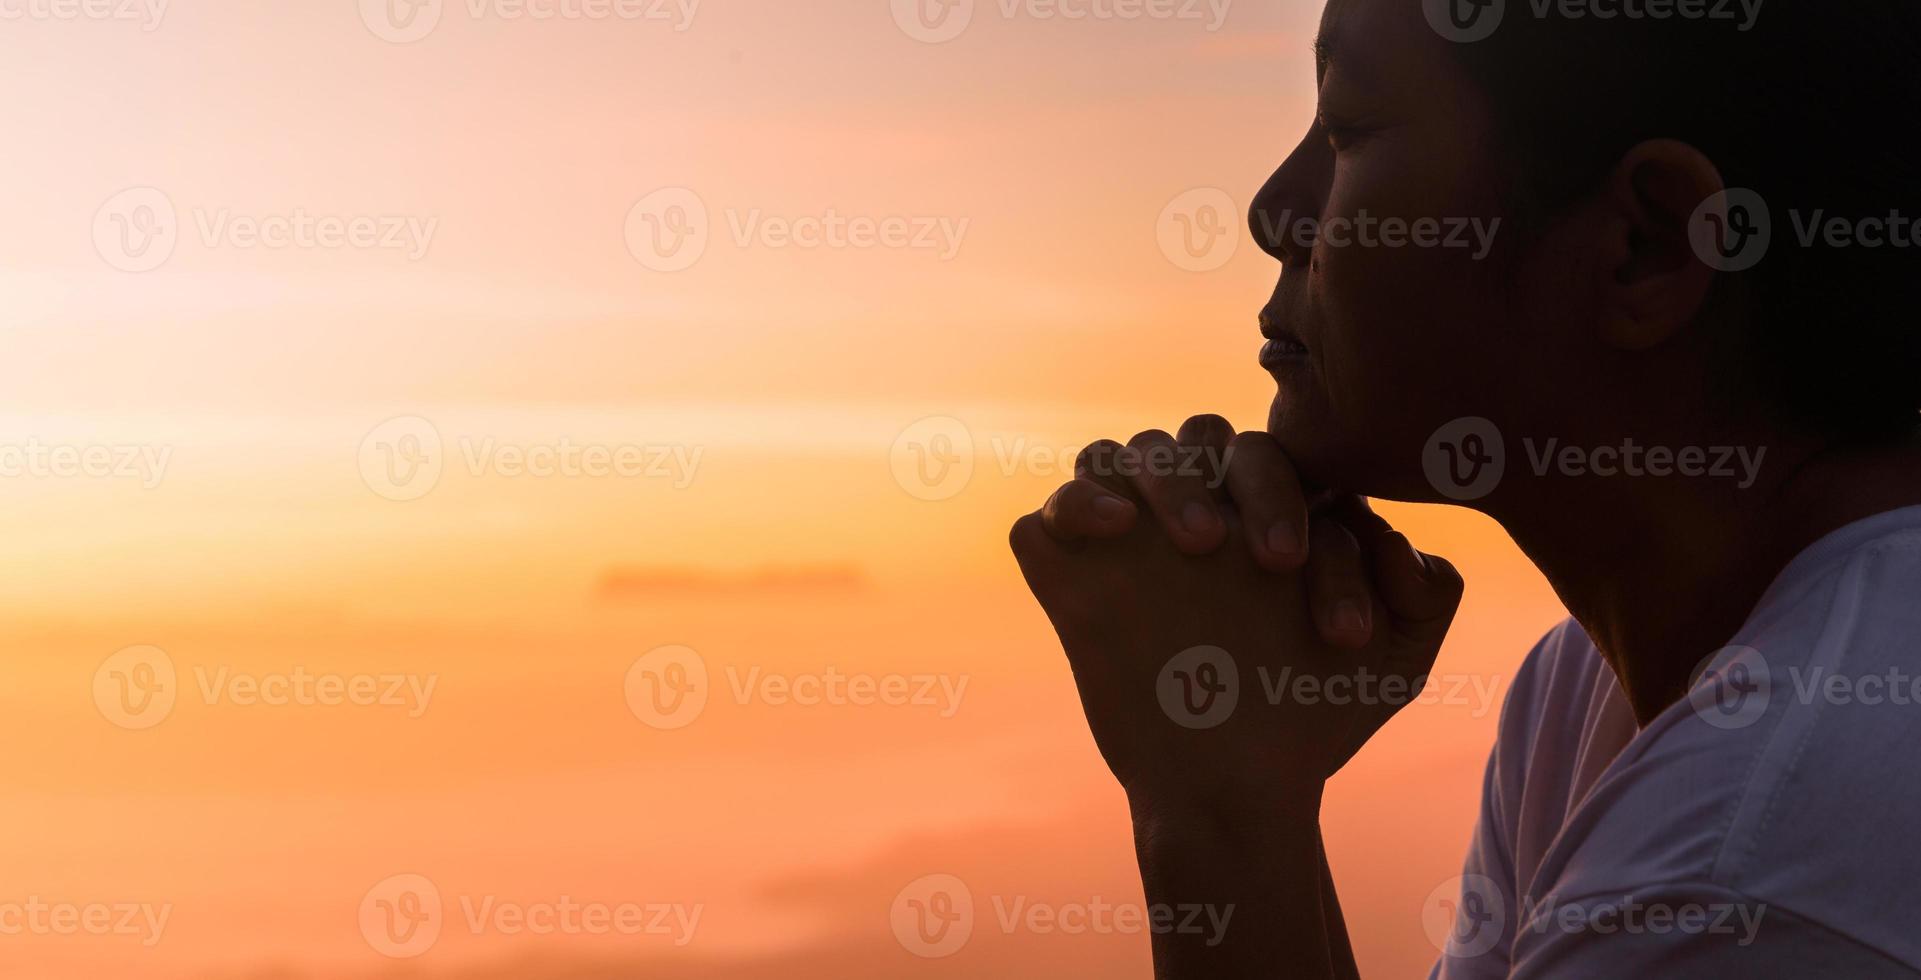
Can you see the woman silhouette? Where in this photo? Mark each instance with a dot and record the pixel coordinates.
(1686, 380)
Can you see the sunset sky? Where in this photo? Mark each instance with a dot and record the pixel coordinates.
(540, 375)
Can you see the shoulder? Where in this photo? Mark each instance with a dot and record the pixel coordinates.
(1557, 696)
(1787, 774)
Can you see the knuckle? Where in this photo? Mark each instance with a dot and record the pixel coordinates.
(1331, 539)
(1150, 437)
(1025, 533)
(1067, 502)
(1256, 444)
(1098, 457)
(1206, 427)
(1151, 458)
(1259, 459)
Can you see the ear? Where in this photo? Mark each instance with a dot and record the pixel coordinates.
(1652, 283)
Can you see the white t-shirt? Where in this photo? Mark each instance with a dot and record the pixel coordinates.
(1767, 826)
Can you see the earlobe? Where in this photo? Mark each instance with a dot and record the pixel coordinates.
(1655, 284)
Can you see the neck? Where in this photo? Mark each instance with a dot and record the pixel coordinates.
(1662, 572)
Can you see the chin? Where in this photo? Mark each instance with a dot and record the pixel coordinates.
(1312, 445)
(1335, 458)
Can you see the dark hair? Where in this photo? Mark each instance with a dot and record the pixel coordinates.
(1812, 108)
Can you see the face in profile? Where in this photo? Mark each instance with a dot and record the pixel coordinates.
(1398, 305)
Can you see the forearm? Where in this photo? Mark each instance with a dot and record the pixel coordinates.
(1334, 925)
(1253, 891)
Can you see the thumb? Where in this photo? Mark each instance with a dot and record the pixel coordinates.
(1421, 591)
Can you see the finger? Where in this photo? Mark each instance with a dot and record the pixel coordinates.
(1083, 509)
(1420, 592)
(1107, 462)
(1204, 440)
(1267, 492)
(1176, 487)
(1354, 513)
(1337, 587)
(1039, 557)
(1028, 537)
(1419, 595)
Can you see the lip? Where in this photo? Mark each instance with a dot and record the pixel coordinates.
(1282, 349)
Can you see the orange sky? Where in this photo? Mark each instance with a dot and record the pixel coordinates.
(245, 528)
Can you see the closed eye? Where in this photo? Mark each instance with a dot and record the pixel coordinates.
(1341, 134)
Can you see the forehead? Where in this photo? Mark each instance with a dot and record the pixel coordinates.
(1386, 43)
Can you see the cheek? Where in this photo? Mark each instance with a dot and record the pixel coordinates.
(1406, 296)
(1410, 327)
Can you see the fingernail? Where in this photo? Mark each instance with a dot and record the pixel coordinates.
(1110, 508)
(1197, 518)
(1282, 540)
(1350, 616)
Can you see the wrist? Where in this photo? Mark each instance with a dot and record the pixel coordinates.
(1239, 820)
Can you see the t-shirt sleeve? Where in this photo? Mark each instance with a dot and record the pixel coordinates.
(1468, 917)
(1471, 918)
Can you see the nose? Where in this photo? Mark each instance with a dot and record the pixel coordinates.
(1283, 216)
